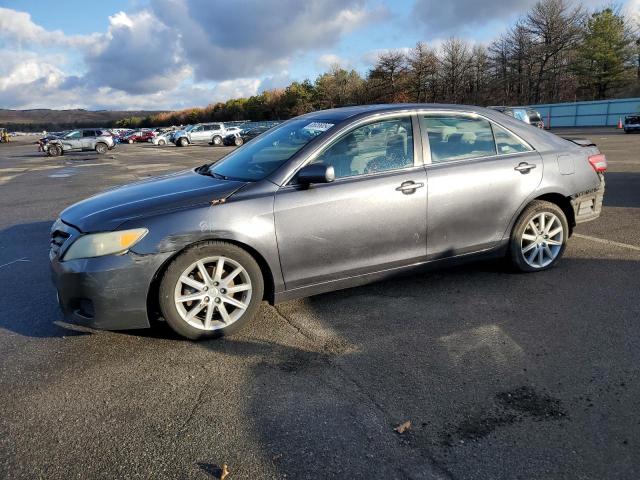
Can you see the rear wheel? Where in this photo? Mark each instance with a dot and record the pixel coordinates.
(238, 141)
(216, 140)
(130, 141)
(101, 148)
(162, 143)
(183, 142)
(539, 237)
(211, 290)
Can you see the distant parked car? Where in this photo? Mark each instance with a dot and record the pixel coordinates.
(243, 136)
(162, 138)
(211, 133)
(138, 136)
(535, 119)
(632, 123)
(526, 115)
(85, 139)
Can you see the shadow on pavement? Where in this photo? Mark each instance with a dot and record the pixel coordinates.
(622, 189)
(29, 305)
(497, 373)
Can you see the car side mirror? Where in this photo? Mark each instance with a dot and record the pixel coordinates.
(316, 173)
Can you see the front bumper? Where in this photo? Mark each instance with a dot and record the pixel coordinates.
(107, 292)
(587, 206)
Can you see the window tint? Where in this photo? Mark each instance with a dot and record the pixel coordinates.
(376, 147)
(507, 142)
(457, 137)
(74, 134)
(88, 133)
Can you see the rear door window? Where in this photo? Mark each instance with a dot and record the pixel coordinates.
(457, 137)
(507, 142)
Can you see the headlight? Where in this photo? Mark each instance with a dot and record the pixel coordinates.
(99, 244)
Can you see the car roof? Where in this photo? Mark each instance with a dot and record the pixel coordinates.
(344, 113)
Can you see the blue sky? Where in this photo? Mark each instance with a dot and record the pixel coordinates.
(165, 54)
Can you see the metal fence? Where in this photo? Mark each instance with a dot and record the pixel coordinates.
(587, 114)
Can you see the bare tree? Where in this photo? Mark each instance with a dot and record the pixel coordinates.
(423, 73)
(555, 27)
(454, 64)
(388, 77)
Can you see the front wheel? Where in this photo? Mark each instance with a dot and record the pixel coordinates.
(183, 142)
(130, 142)
(238, 141)
(54, 151)
(216, 141)
(101, 148)
(539, 237)
(162, 143)
(211, 290)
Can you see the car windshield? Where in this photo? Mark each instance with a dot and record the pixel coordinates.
(266, 153)
(189, 128)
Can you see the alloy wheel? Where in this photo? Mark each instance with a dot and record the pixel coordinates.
(213, 293)
(542, 240)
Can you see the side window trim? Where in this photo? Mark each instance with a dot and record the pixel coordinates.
(418, 157)
(426, 147)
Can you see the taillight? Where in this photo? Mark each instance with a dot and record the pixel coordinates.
(598, 162)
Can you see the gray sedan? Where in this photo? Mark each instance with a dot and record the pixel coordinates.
(325, 201)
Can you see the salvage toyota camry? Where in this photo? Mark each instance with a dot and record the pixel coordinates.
(325, 201)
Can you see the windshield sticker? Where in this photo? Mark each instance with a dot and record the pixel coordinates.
(318, 126)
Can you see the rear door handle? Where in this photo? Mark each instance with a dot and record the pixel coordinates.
(409, 187)
(525, 167)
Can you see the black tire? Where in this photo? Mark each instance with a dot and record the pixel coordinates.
(162, 143)
(54, 151)
(216, 141)
(238, 141)
(101, 148)
(183, 142)
(535, 208)
(182, 262)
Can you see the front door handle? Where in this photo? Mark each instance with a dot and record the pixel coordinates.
(525, 167)
(409, 187)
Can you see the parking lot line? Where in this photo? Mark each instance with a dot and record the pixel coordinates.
(607, 242)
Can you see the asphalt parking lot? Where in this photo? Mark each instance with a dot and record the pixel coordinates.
(501, 375)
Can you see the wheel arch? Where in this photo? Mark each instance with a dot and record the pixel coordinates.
(564, 203)
(552, 196)
(153, 305)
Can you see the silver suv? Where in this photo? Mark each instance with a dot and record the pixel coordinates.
(83, 139)
(211, 133)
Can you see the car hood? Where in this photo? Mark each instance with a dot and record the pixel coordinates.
(108, 210)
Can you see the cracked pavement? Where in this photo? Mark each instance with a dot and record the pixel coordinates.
(502, 376)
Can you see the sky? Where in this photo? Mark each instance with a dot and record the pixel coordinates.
(174, 54)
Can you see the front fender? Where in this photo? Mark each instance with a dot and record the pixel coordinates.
(248, 223)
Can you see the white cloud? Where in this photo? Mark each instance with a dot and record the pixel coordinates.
(632, 10)
(328, 60)
(17, 27)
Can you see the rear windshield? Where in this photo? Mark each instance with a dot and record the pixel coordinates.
(634, 119)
